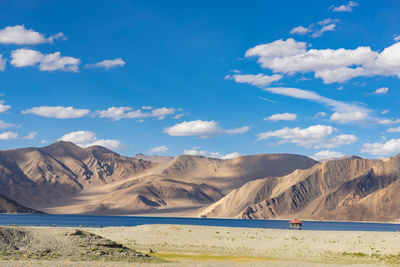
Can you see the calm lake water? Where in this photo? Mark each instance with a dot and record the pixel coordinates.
(98, 221)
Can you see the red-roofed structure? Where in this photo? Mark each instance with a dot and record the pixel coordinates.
(295, 224)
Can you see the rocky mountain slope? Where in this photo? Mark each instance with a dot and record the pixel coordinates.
(10, 206)
(65, 178)
(348, 189)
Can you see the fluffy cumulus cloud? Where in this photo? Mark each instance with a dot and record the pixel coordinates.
(389, 147)
(256, 80)
(4, 107)
(30, 136)
(118, 113)
(19, 35)
(158, 150)
(331, 65)
(8, 135)
(300, 30)
(87, 139)
(282, 117)
(346, 117)
(344, 8)
(46, 62)
(204, 153)
(381, 91)
(201, 129)
(58, 112)
(327, 154)
(13, 135)
(317, 136)
(107, 64)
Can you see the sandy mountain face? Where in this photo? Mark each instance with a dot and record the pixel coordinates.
(156, 159)
(65, 178)
(10, 206)
(38, 176)
(347, 189)
(180, 186)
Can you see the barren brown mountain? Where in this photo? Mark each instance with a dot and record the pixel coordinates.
(349, 189)
(65, 178)
(10, 206)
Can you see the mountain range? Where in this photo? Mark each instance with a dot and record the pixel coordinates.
(64, 178)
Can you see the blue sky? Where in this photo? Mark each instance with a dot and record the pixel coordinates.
(215, 78)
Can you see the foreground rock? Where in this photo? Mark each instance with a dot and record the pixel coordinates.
(62, 243)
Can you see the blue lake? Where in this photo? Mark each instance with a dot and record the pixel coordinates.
(98, 221)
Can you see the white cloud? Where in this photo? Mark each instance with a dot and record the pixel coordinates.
(300, 30)
(394, 130)
(147, 107)
(58, 36)
(331, 65)
(344, 8)
(312, 96)
(3, 107)
(47, 62)
(30, 136)
(277, 49)
(327, 21)
(87, 139)
(54, 61)
(158, 150)
(2, 63)
(390, 147)
(327, 154)
(8, 135)
(397, 38)
(118, 113)
(107, 64)
(386, 111)
(381, 91)
(5, 125)
(317, 136)
(387, 121)
(160, 113)
(326, 28)
(19, 35)
(201, 128)
(320, 114)
(256, 80)
(282, 117)
(58, 112)
(204, 153)
(178, 116)
(25, 57)
(238, 130)
(346, 117)
(230, 155)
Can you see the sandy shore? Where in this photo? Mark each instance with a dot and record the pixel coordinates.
(205, 243)
(224, 246)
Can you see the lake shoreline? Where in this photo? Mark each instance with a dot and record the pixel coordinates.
(128, 221)
(193, 245)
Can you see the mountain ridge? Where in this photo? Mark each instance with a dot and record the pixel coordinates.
(65, 178)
